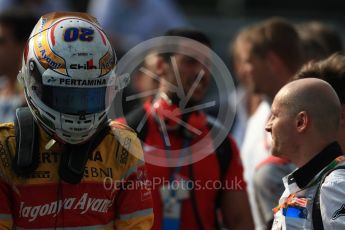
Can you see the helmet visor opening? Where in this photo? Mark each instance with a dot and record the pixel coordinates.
(74, 101)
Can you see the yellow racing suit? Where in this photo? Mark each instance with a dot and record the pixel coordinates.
(111, 195)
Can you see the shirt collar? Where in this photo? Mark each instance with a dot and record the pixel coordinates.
(306, 173)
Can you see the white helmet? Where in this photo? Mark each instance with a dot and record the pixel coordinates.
(67, 66)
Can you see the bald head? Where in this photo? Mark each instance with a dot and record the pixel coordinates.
(318, 99)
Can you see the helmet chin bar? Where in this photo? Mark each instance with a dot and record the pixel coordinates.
(72, 129)
(76, 129)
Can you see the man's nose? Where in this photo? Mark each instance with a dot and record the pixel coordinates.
(268, 126)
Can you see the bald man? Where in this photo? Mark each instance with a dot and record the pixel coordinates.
(332, 71)
(304, 124)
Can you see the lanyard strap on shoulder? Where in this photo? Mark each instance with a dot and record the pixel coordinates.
(316, 213)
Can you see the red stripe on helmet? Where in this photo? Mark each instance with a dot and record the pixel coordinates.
(103, 38)
(52, 37)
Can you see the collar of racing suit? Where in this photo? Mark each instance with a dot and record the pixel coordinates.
(303, 176)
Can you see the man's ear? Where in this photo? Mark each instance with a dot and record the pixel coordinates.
(275, 61)
(302, 121)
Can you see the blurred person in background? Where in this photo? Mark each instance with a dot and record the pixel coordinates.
(273, 55)
(129, 22)
(143, 84)
(246, 100)
(319, 40)
(196, 207)
(15, 28)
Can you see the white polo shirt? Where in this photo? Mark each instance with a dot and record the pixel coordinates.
(296, 204)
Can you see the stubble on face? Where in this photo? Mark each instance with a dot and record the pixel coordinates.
(282, 130)
(190, 74)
